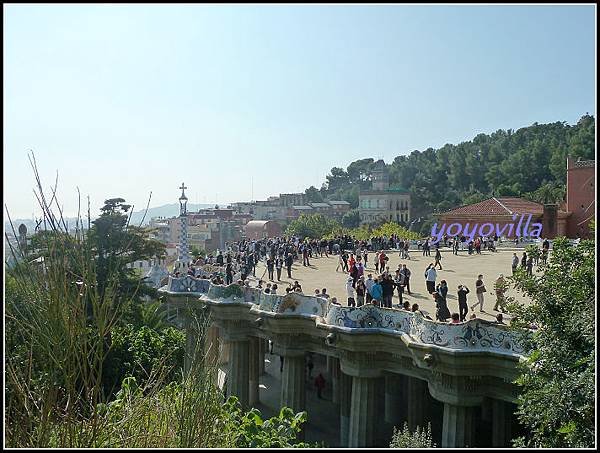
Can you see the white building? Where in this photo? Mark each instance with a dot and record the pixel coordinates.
(383, 203)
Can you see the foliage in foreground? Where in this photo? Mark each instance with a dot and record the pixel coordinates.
(419, 438)
(556, 404)
(64, 319)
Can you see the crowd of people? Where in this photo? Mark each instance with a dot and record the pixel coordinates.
(362, 287)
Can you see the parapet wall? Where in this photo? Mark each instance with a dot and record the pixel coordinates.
(474, 335)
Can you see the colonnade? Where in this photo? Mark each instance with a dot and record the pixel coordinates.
(370, 402)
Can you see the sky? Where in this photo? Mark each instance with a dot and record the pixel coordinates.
(244, 102)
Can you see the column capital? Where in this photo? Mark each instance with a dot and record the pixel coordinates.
(230, 333)
(456, 390)
(360, 364)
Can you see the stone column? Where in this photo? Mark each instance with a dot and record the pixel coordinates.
(293, 383)
(211, 345)
(383, 429)
(224, 348)
(345, 385)
(334, 377)
(501, 415)
(396, 400)
(253, 371)
(363, 412)
(417, 402)
(238, 378)
(459, 426)
(262, 348)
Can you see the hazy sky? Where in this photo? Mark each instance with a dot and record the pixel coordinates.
(124, 100)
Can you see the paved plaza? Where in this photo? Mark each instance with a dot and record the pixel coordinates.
(457, 269)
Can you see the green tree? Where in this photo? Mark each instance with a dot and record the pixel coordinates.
(314, 226)
(116, 244)
(390, 228)
(351, 219)
(313, 195)
(556, 403)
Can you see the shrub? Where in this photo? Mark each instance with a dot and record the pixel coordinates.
(420, 438)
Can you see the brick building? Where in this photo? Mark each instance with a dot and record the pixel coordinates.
(581, 197)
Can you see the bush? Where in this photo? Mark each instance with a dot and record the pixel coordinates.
(141, 353)
(420, 438)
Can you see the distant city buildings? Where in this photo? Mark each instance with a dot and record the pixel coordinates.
(290, 206)
(207, 229)
(383, 203)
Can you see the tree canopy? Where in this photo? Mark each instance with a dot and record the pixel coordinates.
(556, 403)
(529, 162)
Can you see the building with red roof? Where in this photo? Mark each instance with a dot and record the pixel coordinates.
(503, 211)
(571, 218)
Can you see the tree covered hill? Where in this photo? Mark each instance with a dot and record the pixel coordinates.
(529, 162)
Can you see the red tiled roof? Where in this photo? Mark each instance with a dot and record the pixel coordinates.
(498, 206)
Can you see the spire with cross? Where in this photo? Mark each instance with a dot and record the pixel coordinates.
(183, 259)
(183, 200)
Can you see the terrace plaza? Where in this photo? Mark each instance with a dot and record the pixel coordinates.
(382, 366)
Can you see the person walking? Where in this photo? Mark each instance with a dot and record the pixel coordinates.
(462, 302)
(479, 290)
(289, 260)
(438, 258)
(405, 272)
(399, 283)
(229, 274)
(278, 267)
(442, 289)
(360, 292)
(430, 276)
(320, 385)
(270, 267)
(515, 263)
(383, 259)
(340, 263)
(530, 266)
(387, 286)
(350, 291)
(305, 261)
(345, 262)
(368, 286)
(441, 307)
(500, 287)
(376, 292)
